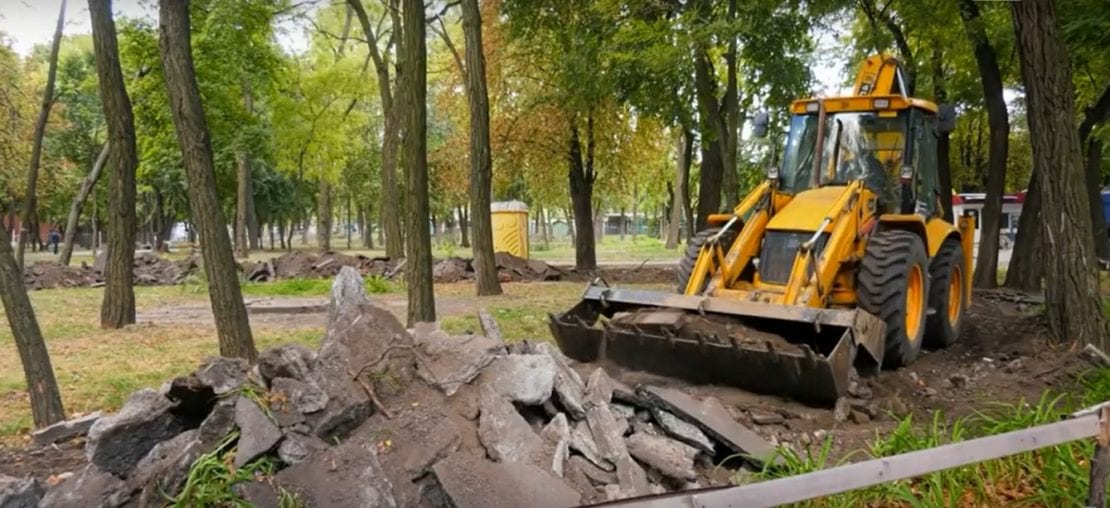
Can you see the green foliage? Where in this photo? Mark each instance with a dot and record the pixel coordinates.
(212, 476)
(313, 287)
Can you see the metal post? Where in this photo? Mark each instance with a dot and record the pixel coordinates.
(1100, 463)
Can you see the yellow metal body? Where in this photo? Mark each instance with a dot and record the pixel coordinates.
(848, 214)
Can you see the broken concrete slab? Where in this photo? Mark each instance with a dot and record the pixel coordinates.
(582, 441)
(305, 397)
(569, 388)
(345, 476)
(504, 433)
(451, 362)
(258, 494)
(442, 441)
(556, 440)
(297, 447)
(64, 431)
(89, 487)
(631, 477)
(527, 379)
(161, 459)
(290, 361)
(622, 411)
(682, 431)
(19, 492)
(596, 475)
(347, 292)
(714, 419)
(466, 482)
(117, 442)
(258, 434)
(607, 432)
(222, 374)
(667, 456)
(599, 388)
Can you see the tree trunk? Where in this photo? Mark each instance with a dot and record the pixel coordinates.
(635, 210)
(1071, 277)
(546, 223)
(481, 164)
(623, 225)
(731, 107)
(986, 265)
(324, 216)
(281, 233)
(570, 224)
(876, 15)
(29, 200)
(390, 213)
(230, 314)
(242, 248)
(418, 271)
(464, 227)
(78, 202)
(582, 176)
(709, 191)
(944, 167)
(118, 308)
(46, 401)
(1093, 173)
(347, 227)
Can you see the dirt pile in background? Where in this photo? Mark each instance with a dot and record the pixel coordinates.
(452, 269)
(150, 270)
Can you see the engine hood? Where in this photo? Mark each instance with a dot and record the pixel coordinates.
(807, 209)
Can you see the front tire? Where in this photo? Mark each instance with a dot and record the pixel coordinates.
(693, 249)
(946, 296)
(894, 286)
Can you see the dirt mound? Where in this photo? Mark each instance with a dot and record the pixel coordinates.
(150, 270)
(315, 265)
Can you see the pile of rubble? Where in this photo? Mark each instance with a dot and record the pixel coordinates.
(384, 416)
(150, 270)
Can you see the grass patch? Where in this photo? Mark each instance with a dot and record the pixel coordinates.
(313, 287)
(212, 477)
(1054, 476)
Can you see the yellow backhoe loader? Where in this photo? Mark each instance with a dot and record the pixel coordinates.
(840, 259)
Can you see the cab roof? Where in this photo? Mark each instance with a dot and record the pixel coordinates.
(862, 103)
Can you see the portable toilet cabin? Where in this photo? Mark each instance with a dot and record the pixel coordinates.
(510, 227)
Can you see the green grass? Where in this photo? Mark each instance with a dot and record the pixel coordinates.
(1053, 476)
(212, 477)
(313, 287)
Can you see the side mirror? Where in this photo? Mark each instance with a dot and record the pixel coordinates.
(760, 122)
(946, 118)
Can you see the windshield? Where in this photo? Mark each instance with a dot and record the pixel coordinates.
(857, 145)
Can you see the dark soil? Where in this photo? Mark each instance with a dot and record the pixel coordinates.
(43, 462)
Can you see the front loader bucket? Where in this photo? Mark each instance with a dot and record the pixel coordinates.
(801, 352)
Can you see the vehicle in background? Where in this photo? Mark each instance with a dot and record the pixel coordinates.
(972, 204)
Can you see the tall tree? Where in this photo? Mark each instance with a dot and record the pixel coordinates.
(46, 402)
(191, 125)
(244, 233)
(582, 176)
(986, 264)
(684, 149)
(1094, 115)
(481, 166)
(78, 202)
(1071, 276)
(118, 308)
(390, 211)
(30, 225)
(414, 67)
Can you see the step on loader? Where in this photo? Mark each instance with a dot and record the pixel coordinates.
(841, 260)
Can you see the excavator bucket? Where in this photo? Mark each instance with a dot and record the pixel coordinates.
(801, 352)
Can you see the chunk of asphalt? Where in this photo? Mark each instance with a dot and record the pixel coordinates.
(714, 419)
(465, 481)
(682, 431)
(503, 432)
(669, 457)
(527, 379)
(257, 433)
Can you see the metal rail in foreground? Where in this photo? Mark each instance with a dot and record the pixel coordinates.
(850, 477)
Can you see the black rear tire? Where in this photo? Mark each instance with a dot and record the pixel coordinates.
(693, 248)
(891, 261)
(942, 328)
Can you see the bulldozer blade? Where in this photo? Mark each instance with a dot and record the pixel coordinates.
(801, 352)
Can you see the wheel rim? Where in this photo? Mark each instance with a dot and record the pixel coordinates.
(915, 300)
(955, 295)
